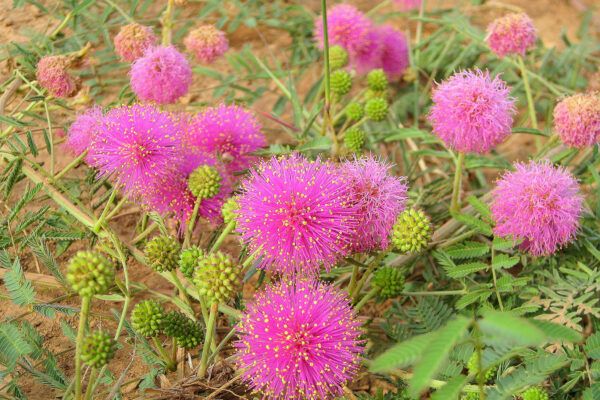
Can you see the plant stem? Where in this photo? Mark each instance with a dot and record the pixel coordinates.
(115, 210)
(121, 11)
(191, 224)
(167, 22)
(352, 284)
(60, 27)
(181, 289)
(210, 328)
(91, 384)
(71, 165)
(367, 273)
(366, 298)
(530, 103)
(436, 293)
(496, 282)
(171, 365)
(455, 204)
(226, 231)
(83, 316)
(222, 344)
(480, 375)
(100, 220)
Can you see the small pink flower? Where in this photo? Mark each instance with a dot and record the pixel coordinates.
(407, 5)
(394, 52)
(162, 75)
(207, 43)
(84, 131)
(577, 120)
(299, 340)
(132, 41)
(539, 203)
(471, 112)
(513, 33)
(54, 76)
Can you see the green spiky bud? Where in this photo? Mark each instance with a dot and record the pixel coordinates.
(162, 253)
(187, 332)
(389, 280)
(473, 367)
(218, 277)
(90, 273)
(377, 80)
(189, 259)
(355, 111)
(412, 231)
(230, 208)
(148, 318)
(376, 109)
(534, 393)
(98, 349)
(470, 396)
(205, 182)
(376, 94)
(354, 139)
(340, 81)
(338, 57)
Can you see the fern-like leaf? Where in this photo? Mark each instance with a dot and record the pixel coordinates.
(475, 224)
(592, 346)
(12, 344)
(402, 354)
(450, 390)
(20, 289)
(468, 250)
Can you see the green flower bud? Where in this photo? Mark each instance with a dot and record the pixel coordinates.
(389, 280)
(98, 349)
(218, 277)
(188, 333)
(193, 337)
(341, 82)
(162, 253)
(338, 57)
(377, 80)
(376, 109)
(90, 273)
(230, 208)
(412, 231)
(205, 182)
(354, 139)
(189, 259)
(473, 367)
(148, 318)
(534, 393)
(355, 111)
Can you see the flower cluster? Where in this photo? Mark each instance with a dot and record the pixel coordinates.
(368, 46)
(472, 112)
(577, 120)
(538, 203)
(132, 41)
(53, 75)
(207, 43)
(513, 33)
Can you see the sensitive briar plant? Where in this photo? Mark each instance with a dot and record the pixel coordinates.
(53, 75)
(207, 43)
(133, 40)
(539, 203)
(299, 339)
(577, 120)
(512, 34)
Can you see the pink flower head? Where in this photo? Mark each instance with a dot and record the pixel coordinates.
(229, 131)
(368, 56)
(295, 212)
(162, 75)
(138, 145)
(394, 52)
(513, 33)
(84, 131)
(577, 120)
(207, 43)
(539, 203)
(471, 112)
(299, 340)
(54, 76)
(171, 194)
(407, 5)
(132, 41)
(379, 199)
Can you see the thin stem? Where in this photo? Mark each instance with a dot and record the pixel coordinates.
(167, 22)
(455, 204)
(181, 289)
(496, 282)
(352, 284)
(480, 375)
(530, 103)
(171, 365)
(437, 293)
(366, 298)
(210, 328)
(326, 56)
(60, 27)
(71, 165)
(83, 316)
(226, 231)
(144, 234)
(366, 275)
(91, 384)
(191, 224)
(222, 344)
(51, 139)
(121, 11)
(100, 221)
(115, 210)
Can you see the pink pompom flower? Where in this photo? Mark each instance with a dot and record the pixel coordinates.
(132, 41)
(207, 43)
(378, 196)
(299, 340)
(514, 33)
(295, 214)
(538, 203)
(162, 75)
(229, 131)
(407, 5)
(137, 145)
(83, 132)
(394, 52)
(471, 112)
(54, 76)
(577, 120)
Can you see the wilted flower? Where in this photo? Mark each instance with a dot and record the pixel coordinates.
(295, 213)
(472, 112)
(162, 75)
(207, 43)
(538, 203)
(132, 41)
(513, 33)
(299, 340)
(577, 120)
(54, 76)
